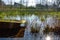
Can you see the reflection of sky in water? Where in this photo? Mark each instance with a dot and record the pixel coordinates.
(32, 20)
(31, 37)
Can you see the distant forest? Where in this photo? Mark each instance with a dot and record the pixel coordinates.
(20, 5)
(24, 10)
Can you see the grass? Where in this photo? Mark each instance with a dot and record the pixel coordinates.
(13, 21)
(25, 12)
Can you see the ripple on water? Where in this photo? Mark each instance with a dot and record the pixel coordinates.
(29, 36)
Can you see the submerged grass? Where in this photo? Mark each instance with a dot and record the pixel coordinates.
(25, 12)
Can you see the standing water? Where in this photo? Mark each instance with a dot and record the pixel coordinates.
(32, 21)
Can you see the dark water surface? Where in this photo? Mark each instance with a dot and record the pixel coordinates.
(39, 36)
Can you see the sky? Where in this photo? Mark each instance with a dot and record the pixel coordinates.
(31, 2)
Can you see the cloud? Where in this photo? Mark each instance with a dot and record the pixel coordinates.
(31, 2)
(9, 1)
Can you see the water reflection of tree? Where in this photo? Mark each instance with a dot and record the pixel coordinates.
(47, 30)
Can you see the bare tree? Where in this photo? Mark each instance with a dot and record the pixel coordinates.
(10, 3)
(0, 2)
(21, 1)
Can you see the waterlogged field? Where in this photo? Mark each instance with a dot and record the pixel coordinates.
(27, 12)
(36, 19)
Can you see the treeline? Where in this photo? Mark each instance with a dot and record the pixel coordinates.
(20, 5)
(21, 10)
